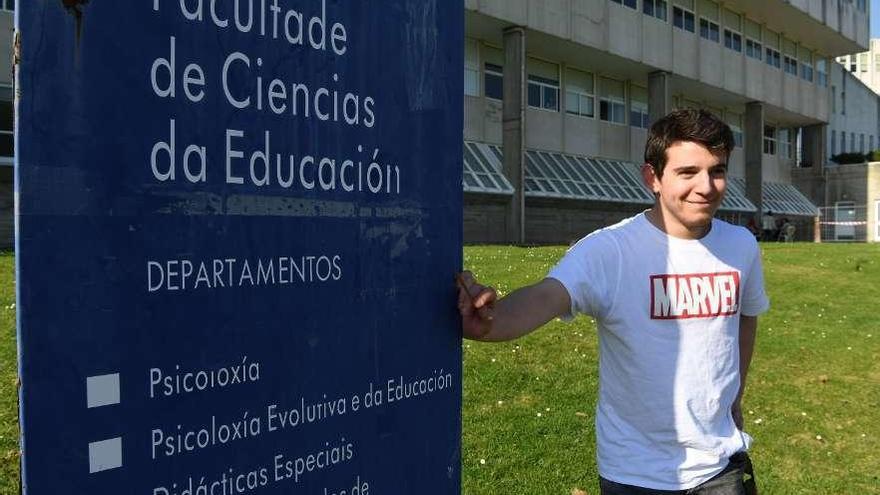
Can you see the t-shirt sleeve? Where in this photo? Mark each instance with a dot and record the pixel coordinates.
(754, 298)
(589, 272)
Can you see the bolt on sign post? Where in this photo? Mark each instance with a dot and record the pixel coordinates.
(237, 228)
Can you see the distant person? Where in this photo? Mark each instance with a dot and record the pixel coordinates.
(787, 231)
(676, 295)
(752, 227)
(768, 224)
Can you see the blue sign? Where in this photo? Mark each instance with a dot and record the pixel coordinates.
(237, 228)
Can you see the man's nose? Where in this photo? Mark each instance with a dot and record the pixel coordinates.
(706, 185)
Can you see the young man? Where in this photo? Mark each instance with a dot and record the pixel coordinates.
(676, 296)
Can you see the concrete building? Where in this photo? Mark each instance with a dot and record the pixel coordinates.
(854, 118)
(865, 65)
(559, 94)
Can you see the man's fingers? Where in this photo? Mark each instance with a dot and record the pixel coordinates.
(485, 297)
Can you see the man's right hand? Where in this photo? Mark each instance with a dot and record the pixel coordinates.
(476, 304)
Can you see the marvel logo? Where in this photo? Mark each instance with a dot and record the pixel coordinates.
(694, 295)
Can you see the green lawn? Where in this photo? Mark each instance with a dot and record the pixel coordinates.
(813, 403)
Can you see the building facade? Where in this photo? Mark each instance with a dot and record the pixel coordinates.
(559, 95)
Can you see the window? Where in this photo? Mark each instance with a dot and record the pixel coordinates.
(842, 141)
(833, 142)
(753, 49)
(682, 19)
(861, 5)
(843, 103)
(733, 40)
(655, 8)
(870, 143)
(579, 93)
(772, 58)
(734, 120)
(543, 85)
(471, 68)
(822, 72)
(877, 65)
(709, 30)
(732, 30)
(783, 142)
(708, 12)
(863, 62)
(769, 140)
(789, 57)
(612, 101)
(833, 99)
(493, 72)
(861, 143)
(852, 142)
(8, 6)
(628, 3)
(771, 49)
(638, 107)
(806, 64)
(752, 30)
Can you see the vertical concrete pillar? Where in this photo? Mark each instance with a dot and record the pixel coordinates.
(659, 95)
(513, 127)
(754, 149)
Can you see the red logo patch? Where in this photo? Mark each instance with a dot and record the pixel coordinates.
(695, 295)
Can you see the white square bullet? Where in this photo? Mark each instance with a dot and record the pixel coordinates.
(102, 390)
(104, 455)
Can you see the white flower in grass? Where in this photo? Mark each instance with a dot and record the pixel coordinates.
(539, 415)
(759, 421)
(819, 437)
(482, 462)
(500, 402)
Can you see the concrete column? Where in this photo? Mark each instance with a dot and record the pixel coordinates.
(659, 95)
(514, 127)
(813, 141)
(754, 149)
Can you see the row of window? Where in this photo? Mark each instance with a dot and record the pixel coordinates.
(580, 95)
(852, 148)
(684, 18)
(860, 62)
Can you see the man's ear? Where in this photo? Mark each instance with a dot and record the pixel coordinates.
(650, 179)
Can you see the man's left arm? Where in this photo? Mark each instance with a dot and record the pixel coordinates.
(748, 328)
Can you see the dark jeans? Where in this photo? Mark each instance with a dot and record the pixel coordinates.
(727, 482)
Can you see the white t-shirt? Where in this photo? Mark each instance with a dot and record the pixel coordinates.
(668, 313)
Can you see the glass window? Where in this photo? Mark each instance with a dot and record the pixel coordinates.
(842, 142)
(822, 72)
(493, 73)
(870, 143)
(543, 90)
(638, 107)
(861, 143)
(852, 142)
(683, 19)
(833, 142)
(772, 58)
(769, 140)
(8, 5)
(612, 101)
(579, 93)
(863, 62)
(783, 138)
(628, 3)
(471, 68)
(733, 40)
(752, 30)
(734, 120)
(709, 30)
(655, 8)
(753, 49)
(790, 65)
(806, 64)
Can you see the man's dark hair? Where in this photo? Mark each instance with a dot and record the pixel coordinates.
(698, 126)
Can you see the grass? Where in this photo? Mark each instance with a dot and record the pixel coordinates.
(813, 402)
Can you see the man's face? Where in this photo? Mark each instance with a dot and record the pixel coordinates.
(690, 190)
